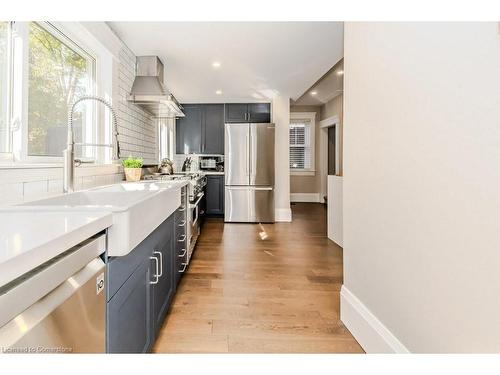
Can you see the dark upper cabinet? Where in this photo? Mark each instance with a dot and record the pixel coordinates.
(201, 131)
(213, 129)
(188, 130)
(251, 112)
(259, 112)
(236, 112)
(214, 195)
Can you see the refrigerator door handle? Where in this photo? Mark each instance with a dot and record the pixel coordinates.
(247, 152)
(250, 187)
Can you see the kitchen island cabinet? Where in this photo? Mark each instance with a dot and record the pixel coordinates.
(140, 289)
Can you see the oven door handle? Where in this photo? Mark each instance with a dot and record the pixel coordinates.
(197, 214)
(193, 205)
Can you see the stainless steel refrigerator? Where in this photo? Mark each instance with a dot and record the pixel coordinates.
(249, 166)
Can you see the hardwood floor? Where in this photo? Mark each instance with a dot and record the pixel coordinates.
(251, 288)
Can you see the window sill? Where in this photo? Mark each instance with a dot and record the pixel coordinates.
(303, 173)
(22, 165)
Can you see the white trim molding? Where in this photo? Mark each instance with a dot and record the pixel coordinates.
(305, 197)
(283, 215)
(329, 121)
(366, 328)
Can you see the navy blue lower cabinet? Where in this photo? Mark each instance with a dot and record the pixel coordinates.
(140, 289)
(163, 281)
(129, 325)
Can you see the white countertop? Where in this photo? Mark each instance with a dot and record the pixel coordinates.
(30, 237)
(35, 232)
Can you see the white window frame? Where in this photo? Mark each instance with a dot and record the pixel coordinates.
(103, 68)
(7, 156)
(311, 118)
(166, 135)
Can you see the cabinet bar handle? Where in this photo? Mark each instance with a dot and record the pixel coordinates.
(184, 268)
(157, 277)
(182, 255)
(183, 238)
(161, 262)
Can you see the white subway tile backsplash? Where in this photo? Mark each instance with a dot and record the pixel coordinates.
(11, 193)
(35, 190)
(55, 186)
(137, 128)
(88, 182)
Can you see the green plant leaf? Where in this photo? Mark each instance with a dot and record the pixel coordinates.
(131, 162)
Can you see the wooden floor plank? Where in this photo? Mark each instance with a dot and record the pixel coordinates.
(242, 294)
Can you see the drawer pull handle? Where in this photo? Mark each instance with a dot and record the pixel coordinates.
(183, 254)
(183, 268)
(182, 223)
(181, 209)
(183, 238)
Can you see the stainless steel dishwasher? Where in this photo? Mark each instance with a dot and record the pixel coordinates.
(58, 307)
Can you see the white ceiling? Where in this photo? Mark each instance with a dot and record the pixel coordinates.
(327, 88)
(258, 59)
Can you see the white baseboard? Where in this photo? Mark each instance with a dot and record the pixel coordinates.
(371, 334)
(305, 197)
(283, 214)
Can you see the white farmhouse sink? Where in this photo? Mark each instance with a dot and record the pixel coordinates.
(137, 209)
(138, 186)
(100, 199)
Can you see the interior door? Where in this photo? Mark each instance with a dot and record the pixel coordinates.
(262, 154)
(236, 150)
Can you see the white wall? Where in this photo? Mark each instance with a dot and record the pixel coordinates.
(281, 118)
(335, 216)
(422, 181)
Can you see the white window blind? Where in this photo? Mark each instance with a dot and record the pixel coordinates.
(301, 148)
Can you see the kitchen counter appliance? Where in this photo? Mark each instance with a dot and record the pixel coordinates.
(58, 307)
(195, 191)
(213, 163)
(249, 170)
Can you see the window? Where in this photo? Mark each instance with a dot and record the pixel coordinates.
(59, 72)
(302, 154)
(4, 86)
(166, 138)
(42, 71)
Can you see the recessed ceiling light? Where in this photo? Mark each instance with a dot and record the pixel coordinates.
(340, 72)
(313, 93)
(216, 64)
(219, 92)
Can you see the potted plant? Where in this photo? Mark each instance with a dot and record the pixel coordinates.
(133, 168)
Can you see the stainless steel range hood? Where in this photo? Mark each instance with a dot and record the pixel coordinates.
(149, 92)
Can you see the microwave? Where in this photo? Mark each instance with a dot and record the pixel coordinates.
(212, 163)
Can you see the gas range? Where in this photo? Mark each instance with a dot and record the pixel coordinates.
(197, 182)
